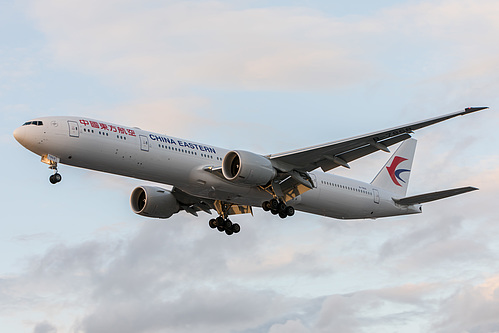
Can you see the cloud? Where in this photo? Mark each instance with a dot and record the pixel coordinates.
(179, 276)
(44, 327)
(196, 309)
(202, 43)
(471, 308)
(163, 278)
(180, 44)
(290, 326)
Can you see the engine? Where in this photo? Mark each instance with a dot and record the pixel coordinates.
(247, 168)
(153, 202)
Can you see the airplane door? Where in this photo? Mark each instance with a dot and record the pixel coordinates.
(73, 129)
(144, 143)
(376, 196)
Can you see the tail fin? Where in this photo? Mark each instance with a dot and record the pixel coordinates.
(394, 176)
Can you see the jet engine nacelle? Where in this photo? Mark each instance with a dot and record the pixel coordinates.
(153, 202)
(247, 168)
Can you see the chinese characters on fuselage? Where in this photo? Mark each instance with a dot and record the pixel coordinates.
(107, 127)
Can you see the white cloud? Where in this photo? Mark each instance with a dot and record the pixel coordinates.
(193, 43)
(179, 44)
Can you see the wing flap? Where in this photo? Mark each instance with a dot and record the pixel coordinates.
(428, 197)
(192, 204)
(356, 153)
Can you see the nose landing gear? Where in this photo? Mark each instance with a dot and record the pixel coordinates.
(52, 161)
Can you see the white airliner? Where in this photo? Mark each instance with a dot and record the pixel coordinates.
(205, 178)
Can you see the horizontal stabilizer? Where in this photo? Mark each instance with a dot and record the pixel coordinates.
(422, 198)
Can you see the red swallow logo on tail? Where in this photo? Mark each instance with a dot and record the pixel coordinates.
(394, 172)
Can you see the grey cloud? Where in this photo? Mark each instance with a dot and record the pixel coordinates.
(471, 308)
(41, 236)
(422, 233)
(201, 309)
(44, 327)
(444, 238)
(290, 326)
(164, 277)
(176, 278)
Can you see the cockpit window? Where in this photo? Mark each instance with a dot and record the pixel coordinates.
(36, 123)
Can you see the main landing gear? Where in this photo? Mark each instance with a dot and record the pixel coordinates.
(225, 225)
(278, 207)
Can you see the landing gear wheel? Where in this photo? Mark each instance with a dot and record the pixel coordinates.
(226, 225)
(281, 208)
(290, 211)
(55, 178)
(274, 212)
(274, 204)
(266, 206)
(283, 215)
(220, 222)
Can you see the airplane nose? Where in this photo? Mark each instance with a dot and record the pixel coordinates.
(19, 134)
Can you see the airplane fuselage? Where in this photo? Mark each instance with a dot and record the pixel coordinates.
(185, 164)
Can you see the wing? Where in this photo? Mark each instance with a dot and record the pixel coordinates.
(339, 153)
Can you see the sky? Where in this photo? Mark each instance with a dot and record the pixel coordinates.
(267, 77)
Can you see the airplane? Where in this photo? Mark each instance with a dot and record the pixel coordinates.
(205, 178)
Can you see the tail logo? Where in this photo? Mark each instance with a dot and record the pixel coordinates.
(394, 172)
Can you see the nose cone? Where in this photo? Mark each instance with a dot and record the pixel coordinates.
(20, 134)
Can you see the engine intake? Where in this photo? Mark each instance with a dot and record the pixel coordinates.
(153, 202)
(247, 168)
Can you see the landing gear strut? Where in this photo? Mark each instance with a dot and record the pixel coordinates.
(278, 207)
(56, 177)
(222, 223)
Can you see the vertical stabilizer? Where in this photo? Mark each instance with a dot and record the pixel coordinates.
(394, 176)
